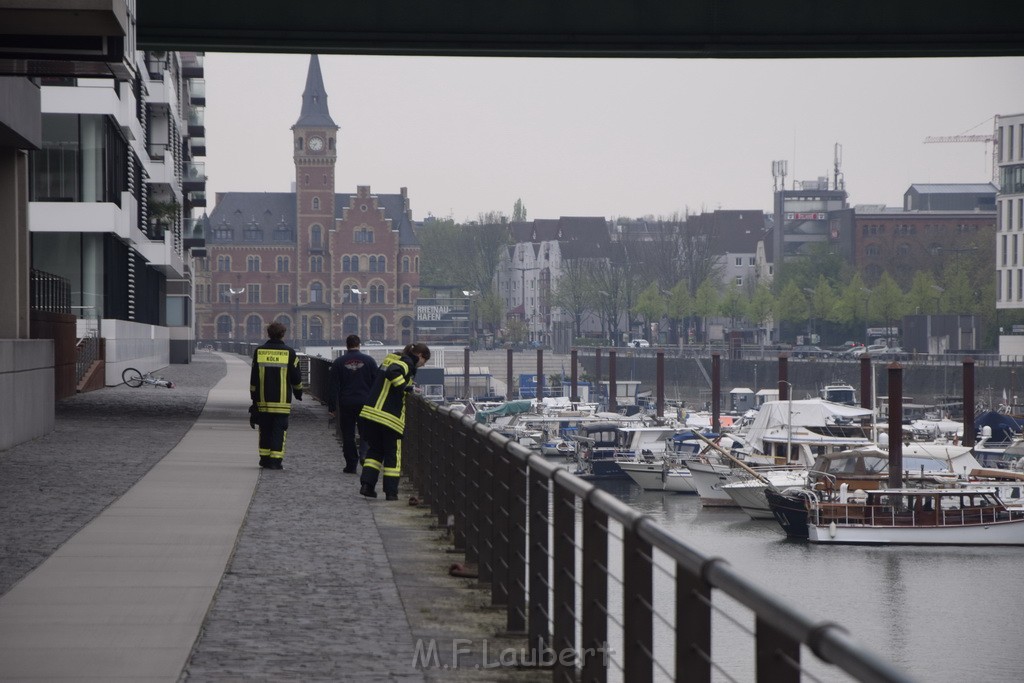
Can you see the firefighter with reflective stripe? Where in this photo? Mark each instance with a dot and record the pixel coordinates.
(384, 418)
(274, 379)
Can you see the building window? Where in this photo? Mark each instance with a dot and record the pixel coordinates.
(739, 280)
(316, 237)
(406, 293)
(903, 250)
(282, 294)
(223, 295)
(252, 233)
(316, 293)
(316, 328)
(739, 260)
(284, 320)
(83, 158)
(224, 325)
(350, 264)
(405, 264)
(871, 250)
(364, 236)
(316, 203)
(416, 265)
(377, 327)
(253, 294)
(252, 264)
(316, 264)
(282, 264)
(224, 263)
(373, 264)
(253, 327)
(751, 261)
(298, 144)
(377, 294)
(350, 325)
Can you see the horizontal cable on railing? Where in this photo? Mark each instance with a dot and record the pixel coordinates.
(656, 613)
(664, 570)
(662, 668)
(717, 667)
(612, 620)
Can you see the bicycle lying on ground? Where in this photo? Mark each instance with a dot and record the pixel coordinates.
(136, 379)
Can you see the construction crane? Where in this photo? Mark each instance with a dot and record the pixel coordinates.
(992, 139)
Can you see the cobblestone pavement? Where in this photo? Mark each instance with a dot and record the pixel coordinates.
(324, 585)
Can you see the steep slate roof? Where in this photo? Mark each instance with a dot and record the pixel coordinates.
(566, 228)
(732, 231)
(270, 210)
(314, 99)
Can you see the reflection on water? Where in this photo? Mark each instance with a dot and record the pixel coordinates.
(938, 613)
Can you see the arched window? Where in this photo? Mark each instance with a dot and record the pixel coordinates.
(355, 264)
(416, 265)
(316, 293)
(373, 264)
(405, 264)
(284, 320)
(316, 203)
(252, 264)
(377, 327)
(349, 296)
(282, 264)
(903, 250)
(350, 325)
(376, 294)
(305, 179)
(871, 250)
(382, 264)
(346, 264)
(253, 327)
(316, 264)
(316, 237)
(406, 293)
(223, 263)
(316, 328)
(224, 325)
(298, 143)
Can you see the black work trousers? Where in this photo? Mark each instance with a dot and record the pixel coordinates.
(273, 430)
(383, 457)
(349, 421)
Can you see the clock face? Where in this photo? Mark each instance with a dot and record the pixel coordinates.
(316, 144)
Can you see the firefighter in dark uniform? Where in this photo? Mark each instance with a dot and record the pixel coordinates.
(384, 418)
(350, 377)
(275, 377)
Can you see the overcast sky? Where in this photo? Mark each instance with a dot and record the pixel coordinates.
(610, 137)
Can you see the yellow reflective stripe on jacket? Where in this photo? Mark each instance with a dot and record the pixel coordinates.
(383, 417)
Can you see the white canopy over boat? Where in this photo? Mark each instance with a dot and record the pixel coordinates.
(811, 413)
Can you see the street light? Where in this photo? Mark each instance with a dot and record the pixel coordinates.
(810, 315)
(359, 294)
(471, 332)
(235, 293)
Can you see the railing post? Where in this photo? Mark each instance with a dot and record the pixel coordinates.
(474, 502)
(564, 583)
(693, 627)
(777, 655)
(539, 554)
(517, 547)
(459, 492)
(500, 531)
(594, 645)
(637, 599)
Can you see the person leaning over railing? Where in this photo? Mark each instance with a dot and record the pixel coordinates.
(384, 419)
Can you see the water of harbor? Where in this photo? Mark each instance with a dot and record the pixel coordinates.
(938, 613)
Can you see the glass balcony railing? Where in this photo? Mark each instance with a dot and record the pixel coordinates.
(197, 88)
(197, 116)
(194, 171)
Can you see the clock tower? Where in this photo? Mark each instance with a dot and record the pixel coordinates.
(314, 139)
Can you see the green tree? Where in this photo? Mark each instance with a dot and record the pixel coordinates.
(887, 301)
(761, 308)
(705, 302)
(519, 211)
(791, 305)
(679, 304)
(923, 297)
(733, 303)
(651, 305)
(574, 291)
(958, 295)
(852, 303)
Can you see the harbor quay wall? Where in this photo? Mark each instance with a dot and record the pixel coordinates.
(688, 379)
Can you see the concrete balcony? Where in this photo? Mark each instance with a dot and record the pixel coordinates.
(162, 256)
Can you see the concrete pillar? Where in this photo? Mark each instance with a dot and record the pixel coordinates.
(15, 262)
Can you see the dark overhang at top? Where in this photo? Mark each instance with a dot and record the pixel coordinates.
(590, 28)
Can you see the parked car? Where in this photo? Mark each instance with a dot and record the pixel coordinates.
(891, 353)
(640, 344)
(848, 346)
(810, 352)
(873, 349)
(373, 342)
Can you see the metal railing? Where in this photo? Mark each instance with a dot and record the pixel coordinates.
(542, 537)
(48, 292)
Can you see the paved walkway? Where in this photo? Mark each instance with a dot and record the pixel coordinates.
(141, 541)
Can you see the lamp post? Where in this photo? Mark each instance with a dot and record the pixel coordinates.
(359, 295)
(235, 293)
(470, 294)
(810, 315)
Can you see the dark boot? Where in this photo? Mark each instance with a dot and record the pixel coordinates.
(367, 490)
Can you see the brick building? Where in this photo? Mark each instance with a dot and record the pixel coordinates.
(325, 264)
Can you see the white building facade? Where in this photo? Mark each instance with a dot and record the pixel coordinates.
(1009, 152)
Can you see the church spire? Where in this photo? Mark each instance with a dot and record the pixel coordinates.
(314, 98)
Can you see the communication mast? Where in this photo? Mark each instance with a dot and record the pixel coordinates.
(779, 170)
(838, 181)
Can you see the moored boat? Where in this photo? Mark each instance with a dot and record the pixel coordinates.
(905, 516)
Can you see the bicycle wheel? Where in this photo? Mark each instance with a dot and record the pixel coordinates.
(132, 377)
